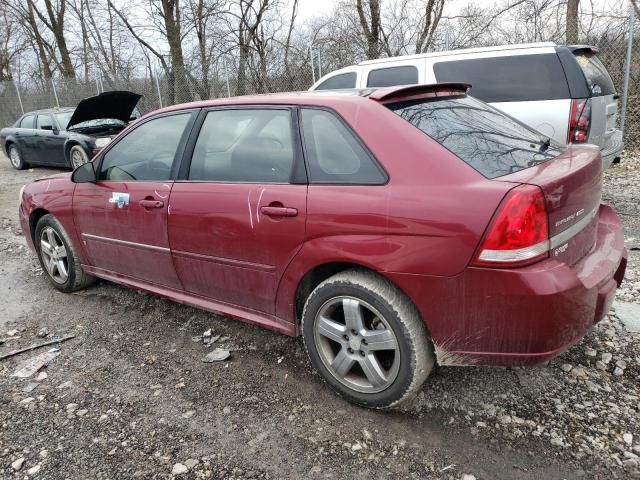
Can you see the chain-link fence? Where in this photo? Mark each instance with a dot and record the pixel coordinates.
(621, 58)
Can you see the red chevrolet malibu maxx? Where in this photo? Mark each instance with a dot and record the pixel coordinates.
(392, 228)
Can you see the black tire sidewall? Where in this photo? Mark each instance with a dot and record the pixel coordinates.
(407, 364)
(50, 221)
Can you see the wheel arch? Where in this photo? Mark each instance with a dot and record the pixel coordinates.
(34, 217)
(72, 142)
(319, 273)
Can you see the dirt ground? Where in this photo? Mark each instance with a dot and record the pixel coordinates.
(129, 396)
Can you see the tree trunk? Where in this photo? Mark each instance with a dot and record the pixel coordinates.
(371, 30)
(171, 12)
(572, 21)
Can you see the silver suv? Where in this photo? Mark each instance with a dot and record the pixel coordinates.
(565, 92)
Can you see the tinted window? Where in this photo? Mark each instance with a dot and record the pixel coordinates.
(244, 145)
(147, 152)
(485, 138)
(334, 154)
(598, 78)
(28, 122)
(344, 80)
(44, 121)
(508, 79)
(387, 77)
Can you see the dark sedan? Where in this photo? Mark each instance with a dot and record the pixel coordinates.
(68, 137)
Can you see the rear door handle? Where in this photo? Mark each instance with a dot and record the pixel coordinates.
(150, 203)
(279, 211)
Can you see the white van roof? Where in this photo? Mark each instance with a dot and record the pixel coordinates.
(447, 53)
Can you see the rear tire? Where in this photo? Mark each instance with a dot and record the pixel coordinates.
(58, 257)
(15, 158)
(367, 339)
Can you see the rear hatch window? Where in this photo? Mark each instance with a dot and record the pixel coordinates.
(483, 137)
(598, 78)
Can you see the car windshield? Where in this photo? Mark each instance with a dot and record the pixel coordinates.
(63, 119)
(483, 137)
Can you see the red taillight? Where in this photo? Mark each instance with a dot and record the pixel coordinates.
(579, 120)
(519, 232)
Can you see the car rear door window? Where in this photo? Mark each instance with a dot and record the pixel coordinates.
(334, 154)
(598, 78)
(146, 152)
(344, 80)
(28, 122)
(514, 78)
(244, 145)
(387, 77)
(44, 122)
(482, 136)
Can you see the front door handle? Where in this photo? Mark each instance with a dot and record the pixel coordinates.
(279, 211)
(151, 203)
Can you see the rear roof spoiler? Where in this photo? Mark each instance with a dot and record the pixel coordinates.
(414, 92)
(583, 49)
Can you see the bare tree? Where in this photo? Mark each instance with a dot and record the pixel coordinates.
(430, 20)
(572, 21)
(370, 23)
(54, 21)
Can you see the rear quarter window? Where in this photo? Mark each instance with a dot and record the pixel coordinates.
(515, 78)
(482, 136)
(597, 76)
(344, 80)
(388, 77)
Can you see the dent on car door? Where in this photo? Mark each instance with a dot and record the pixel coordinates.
(238, 216)
(122, 218)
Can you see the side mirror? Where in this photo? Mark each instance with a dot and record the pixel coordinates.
(85, 173)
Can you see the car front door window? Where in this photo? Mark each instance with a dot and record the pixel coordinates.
(147, 152)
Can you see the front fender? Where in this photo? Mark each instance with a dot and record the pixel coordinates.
(86, 142)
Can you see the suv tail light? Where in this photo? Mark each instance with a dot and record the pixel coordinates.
(579, 120)
(518, 233)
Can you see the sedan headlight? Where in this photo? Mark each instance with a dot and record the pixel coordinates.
(102, 142)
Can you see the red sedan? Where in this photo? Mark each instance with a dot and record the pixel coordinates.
(391, 228)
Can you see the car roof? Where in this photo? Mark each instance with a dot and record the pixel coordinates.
(322, 97)
(462, 51)
(52, 110)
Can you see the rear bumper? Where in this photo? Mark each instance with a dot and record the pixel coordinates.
(613, 149)
(524, 315)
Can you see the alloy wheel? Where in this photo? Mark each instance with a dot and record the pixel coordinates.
(77, 158)
(54, 255)
(14, 156)
(356, 344)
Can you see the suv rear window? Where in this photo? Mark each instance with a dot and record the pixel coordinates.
(483, 137)
(515, 78)
(598, 78)
(344, 80)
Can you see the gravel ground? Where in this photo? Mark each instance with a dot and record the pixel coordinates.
(129, 396)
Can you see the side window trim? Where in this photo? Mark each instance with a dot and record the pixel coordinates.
(355, 135)
(298, 172)
(179, 151)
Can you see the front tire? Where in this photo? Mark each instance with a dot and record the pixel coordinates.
(77, 156)
(15, 158)
(367, 339)
(58, 257)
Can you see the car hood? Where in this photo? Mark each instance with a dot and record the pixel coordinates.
(117, 104)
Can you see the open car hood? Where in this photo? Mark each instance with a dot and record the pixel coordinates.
(117, 104)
